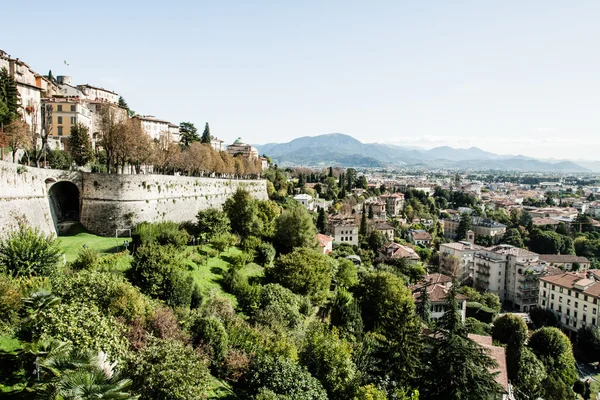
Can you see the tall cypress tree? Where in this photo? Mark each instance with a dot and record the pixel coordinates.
(9, 98)
(371, 215)
(331, 171)
(423, 308)
(206, 135)
(321, 220)
(363, 222)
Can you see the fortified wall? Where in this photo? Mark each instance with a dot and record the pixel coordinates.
(45, 198)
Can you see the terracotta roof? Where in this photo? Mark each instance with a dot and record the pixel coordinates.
(436, 277)
(399, 251)
(383, 226)
(544, 221)
(498, 354)
(437, 293)
(417, 235)
(563, 258)
(324, 239)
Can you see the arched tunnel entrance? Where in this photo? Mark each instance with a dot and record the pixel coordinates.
(64, 204)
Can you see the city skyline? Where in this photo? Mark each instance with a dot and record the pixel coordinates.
(510, 78)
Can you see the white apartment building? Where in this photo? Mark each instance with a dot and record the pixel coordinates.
(98, 94)
(306, 200)
(464, 251)
(394, 203)
(572, 297)
(152, 126)
(343, 231)
(174, 132)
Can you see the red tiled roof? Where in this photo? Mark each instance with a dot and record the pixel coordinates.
(498, 354)
(563, 258)
(324, 239)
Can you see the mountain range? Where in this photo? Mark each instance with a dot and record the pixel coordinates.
(345, 151)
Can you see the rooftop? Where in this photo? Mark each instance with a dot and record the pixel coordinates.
(563, 258)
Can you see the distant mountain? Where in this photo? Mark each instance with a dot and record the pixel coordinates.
(345, 151)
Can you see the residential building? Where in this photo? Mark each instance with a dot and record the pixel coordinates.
(97, 93)
(152, 126)
(174, 132)
(66, 113)
(394, 203)
(419, 237)
(481, 227)
(437, 293)
(240, 148)
(498, 354)
(396, 250)
(29, 91)
(566, 262)
(386, 229)
(573, 298)
(379, 209)
(306, 200)
(325, 243)
(217, 143)
(67, 89)
(464, 252)
(343, 230)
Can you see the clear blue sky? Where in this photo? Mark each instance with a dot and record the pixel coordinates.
(517, 77)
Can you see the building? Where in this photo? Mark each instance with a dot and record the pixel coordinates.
(29, 91)
(394, 203)
(99, 94)
(66, 113)
(566, 262)
(573, 298)
(396, 250)
(481, 227)
(464, 252)
(386, 230)
(174, 132)
(498, 354)
(379, 209)
(217, 143)
(438, 286)
(152, 126)
(240, 148)
(419, 237)
(325, 243)
(343, 230)
(306, 200)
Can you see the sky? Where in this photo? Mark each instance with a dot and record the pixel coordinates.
(512, 77)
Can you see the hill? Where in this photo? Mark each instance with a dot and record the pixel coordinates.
(345, 151)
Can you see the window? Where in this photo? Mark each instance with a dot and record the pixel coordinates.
(59, 108)
(73, 108)
(544, 284)
(560, 299)
(575, 324)
(553, 287)
(559, 308)
(568, 311)
(593, 321)
(544, 294)
(576, 295)
(568, 302)
(60, 120)
(60, 132)
(552, 306)
(576, 304)
(575, 313)
(552, 296)
(569, 292)
(499, 273)
(561, 290)
(594, 310)
(585, 298)
(73, 120)
(584, 317)
(585, 307)
(544, 303)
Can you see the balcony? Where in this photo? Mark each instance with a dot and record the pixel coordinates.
(482, 273)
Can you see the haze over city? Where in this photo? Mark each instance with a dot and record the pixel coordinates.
(510, 77)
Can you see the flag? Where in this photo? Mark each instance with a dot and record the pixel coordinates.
(66, 63)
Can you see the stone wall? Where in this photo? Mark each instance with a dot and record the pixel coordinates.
(122, 201)
(109, 202)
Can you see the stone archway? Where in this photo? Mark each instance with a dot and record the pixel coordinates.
(65, 205)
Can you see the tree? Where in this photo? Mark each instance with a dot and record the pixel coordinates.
(17, 132)
(46, 125)
(206, 138)
(28, 252)
(168, 369)
(465, 224)
(363, 222)
(542, 317)
(329, 359)
(80, 145)
(294, 229)
(455, 366)
(9, 99)
(212, 222)
(555, 351)
(304, 271)
(321, 220)
(424, 305)
(513, 237)
(123, 103)
(531, 375)
(506, 326)
(549, 242)
(188, 134)
(588, 340)
(242, 212)
(282, 377)
(371, 211)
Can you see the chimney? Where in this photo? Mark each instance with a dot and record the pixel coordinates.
(471, 237)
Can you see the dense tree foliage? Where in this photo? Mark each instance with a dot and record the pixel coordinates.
(27, 252)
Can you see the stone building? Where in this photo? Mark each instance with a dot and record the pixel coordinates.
(240, 148)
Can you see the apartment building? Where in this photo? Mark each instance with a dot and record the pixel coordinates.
(152, 126)
(99, 94)
(566, 261)
(65, 113)
(343, 230)
(572, 297)
(481, 227)
(394, 203)
(464, 252)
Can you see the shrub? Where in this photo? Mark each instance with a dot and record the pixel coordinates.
(542, 317)
(158, 272)
(281, 376)
(209, 333)
(346, 274)
(163, 233)
(167, 369)
(10, 302)
(163, 324)
(84, 326)
(223, 241)
(265, 254)
(555, 351)
(109, 292)
(196, 297)
(251, 243)
(28, 252)
(279, 307)
(212, 222)
(86, 259)
(477, 327)
(480, 312)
